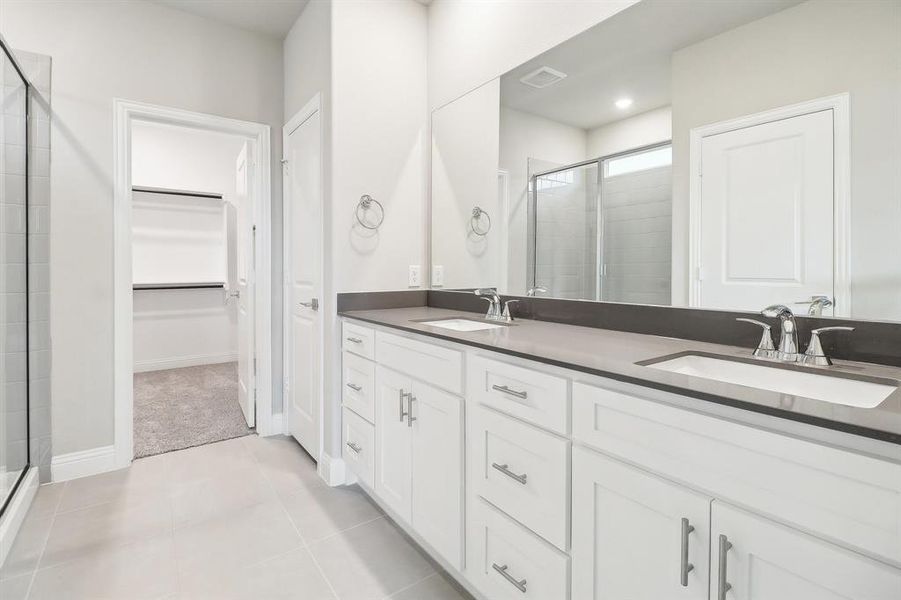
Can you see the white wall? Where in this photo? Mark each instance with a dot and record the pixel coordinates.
(473, 41)
(139, 51)
(643, 129)
(846, 46)
(175, 328)
(525, 136)
(464, 175)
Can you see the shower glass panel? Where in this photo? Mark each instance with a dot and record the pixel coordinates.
(14, 450)
(636, 224)
(565, 236)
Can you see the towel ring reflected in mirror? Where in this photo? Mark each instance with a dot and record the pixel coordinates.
(364, 206)
(475, 222)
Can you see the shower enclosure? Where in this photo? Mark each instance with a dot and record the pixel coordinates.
(602, 229)
(15, 451)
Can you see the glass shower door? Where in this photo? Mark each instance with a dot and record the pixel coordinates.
(565, 209)
(14, 451)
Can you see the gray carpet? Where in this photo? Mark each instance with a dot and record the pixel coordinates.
(181, 408)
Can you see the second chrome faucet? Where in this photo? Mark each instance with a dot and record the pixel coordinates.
(789, 347)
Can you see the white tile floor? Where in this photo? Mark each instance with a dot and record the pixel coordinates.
(245, 518)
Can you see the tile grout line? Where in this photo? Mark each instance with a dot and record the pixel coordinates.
(303, 540)
(412, 585)
(37, 565)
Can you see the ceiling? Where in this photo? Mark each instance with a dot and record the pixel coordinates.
(626, 56)
(268, 17)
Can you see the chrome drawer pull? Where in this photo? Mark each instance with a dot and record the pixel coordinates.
(354, 387)
(402, 412)
(410, 417)
(723, 586)
(355, 340)
(685, 567)
(506, 390)
(354, 447)
(520, 585)
(503, 469)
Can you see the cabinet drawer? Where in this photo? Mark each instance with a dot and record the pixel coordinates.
(505, 561)
(523, 471)
(358, 339)
(844, 495)
(358, 385)
(358, 447)
(439, 366)
(530, 395)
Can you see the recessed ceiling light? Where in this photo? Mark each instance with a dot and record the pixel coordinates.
(623, 103)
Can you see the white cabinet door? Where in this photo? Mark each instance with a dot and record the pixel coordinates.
(635, 536)
(438, 470)
(393, 469)
(766, 214)
(753, 558)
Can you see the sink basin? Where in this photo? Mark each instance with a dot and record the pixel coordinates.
(461, 324)
(832, 387)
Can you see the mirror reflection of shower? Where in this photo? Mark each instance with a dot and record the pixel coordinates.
(602, 229)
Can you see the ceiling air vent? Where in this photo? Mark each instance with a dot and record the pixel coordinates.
(543, 77)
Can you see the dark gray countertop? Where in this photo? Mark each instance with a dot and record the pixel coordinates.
(614, 354)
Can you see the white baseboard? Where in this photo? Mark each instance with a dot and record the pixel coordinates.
(82, 464)
(334, 471)
(178, 362)
(15, 513)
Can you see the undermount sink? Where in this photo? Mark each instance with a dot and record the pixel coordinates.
(833, 387)
(461, 324)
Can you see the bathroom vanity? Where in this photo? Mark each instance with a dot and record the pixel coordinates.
(541, 460)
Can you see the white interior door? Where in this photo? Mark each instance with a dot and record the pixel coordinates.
(766, 214)
(303, 243)
(246, 290)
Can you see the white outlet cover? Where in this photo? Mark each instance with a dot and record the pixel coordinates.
(415, 276)
(438, 275)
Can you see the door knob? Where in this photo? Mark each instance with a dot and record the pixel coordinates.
(313, 304)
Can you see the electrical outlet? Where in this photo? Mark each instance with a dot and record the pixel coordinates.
(415, 276)
(437, 275)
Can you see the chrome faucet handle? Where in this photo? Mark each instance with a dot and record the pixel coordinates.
(788, 341)
(817, 304)
(494, 302)
(508, 316)
(765, 348)
(534, 290)
(815, 354)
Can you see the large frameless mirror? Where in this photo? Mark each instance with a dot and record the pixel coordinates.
(724, 155)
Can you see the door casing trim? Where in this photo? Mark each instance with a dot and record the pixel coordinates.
(125, 113)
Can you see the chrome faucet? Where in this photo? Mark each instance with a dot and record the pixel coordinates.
(494, 303)
(788, 342)
(535, 289)
(817, 304)
(815, 354)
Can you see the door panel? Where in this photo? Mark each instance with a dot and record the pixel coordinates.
(303, 203)
(766, 214)
(768, 561)
(437, 494)
(394, 468)
(628, 533)
(246, 290)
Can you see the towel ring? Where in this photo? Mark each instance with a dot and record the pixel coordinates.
(365, 203)
(477, 214)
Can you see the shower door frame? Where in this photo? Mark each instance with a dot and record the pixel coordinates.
(7, 501)
(532, 231)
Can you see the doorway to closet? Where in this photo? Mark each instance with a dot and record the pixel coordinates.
(178, 229)
(192, 278)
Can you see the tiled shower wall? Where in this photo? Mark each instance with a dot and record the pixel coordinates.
(37, 69)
